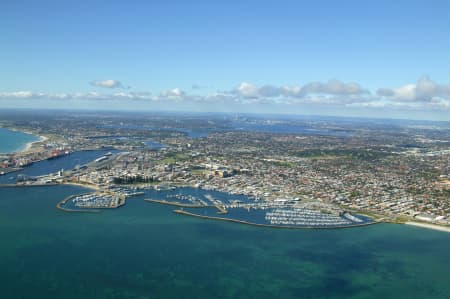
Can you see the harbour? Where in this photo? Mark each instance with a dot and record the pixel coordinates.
(100, 199)
(286, 225)
(75, 160)
(223, 206)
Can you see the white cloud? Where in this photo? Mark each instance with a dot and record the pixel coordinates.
(406, 93)
(424, 90)
(424, 94)
(175, 93)
(19, 95)
(291, 91)
(76, 96)
(107, 83)
(247, 90)
(331, 88)
(250, 91)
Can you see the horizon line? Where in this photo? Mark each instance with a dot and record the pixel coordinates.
(279, 114)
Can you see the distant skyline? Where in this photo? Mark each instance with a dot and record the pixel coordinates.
(343, 58)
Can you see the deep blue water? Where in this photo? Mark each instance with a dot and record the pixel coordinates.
(13, 141)
(143, 250)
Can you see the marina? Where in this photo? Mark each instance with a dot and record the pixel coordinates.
(62, 205)
(305, 217)
(289, 226)
(98, 201)
(216, 205)
(110, 199)
(210, 204)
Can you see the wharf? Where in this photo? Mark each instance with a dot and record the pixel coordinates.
(28, 185)
(6, 171)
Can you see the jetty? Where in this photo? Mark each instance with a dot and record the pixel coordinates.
(217, 204)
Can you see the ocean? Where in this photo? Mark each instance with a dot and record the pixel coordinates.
(144, 250)
(12, 141)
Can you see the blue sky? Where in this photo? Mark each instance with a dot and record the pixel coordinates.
(377, 58)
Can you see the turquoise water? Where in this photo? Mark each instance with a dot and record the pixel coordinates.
(144, 251)
(12, 141)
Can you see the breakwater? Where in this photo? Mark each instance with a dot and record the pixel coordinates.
(176, 204)
(60, 205)
(90, 209)
(182, 212)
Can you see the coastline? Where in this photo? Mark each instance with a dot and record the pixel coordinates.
(87, 186)
(27, 146)
(429, 226)
(30, 144)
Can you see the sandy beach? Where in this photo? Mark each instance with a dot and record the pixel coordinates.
(430, 226)
(87, 186)
(29, 145)
(25, 148)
